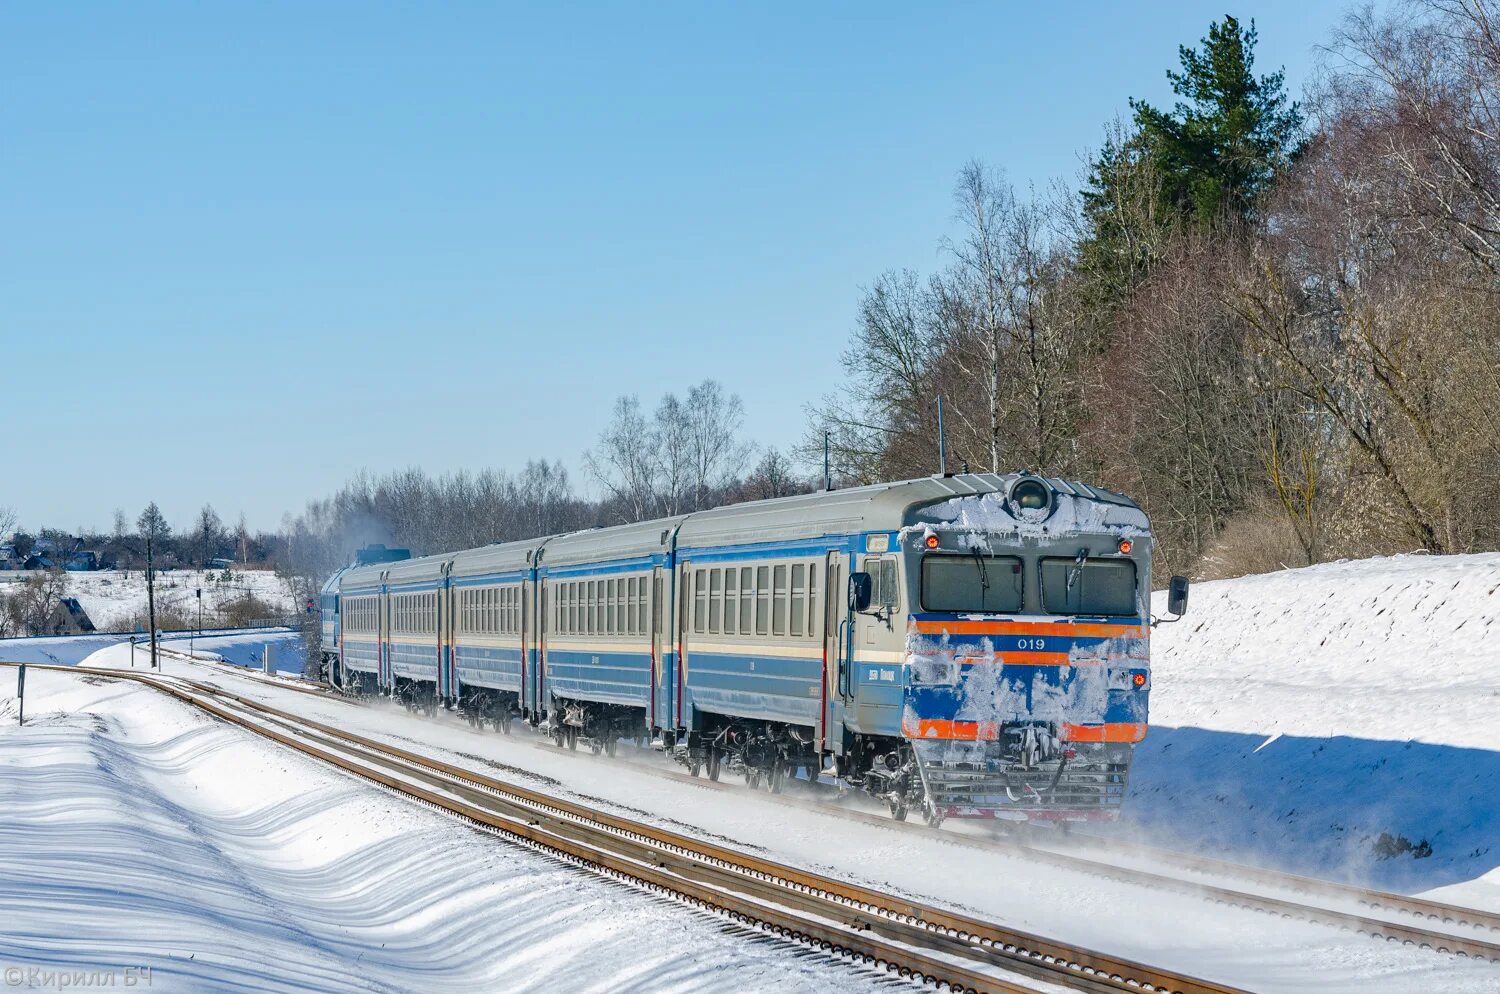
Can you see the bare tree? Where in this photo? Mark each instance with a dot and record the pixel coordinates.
(985, 204)
(716, 451)
(622, 462)
(208, 535)
(153, 530)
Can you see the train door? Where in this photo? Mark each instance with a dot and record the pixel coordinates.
(527, 626)
(658, 640)
(383, 636)
(539, 678)
(444, 641)
(834, 681)
(684, 609)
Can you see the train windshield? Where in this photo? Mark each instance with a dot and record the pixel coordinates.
(1088, 586)
(976, 584)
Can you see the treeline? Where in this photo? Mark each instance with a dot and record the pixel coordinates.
(688, 454)
(1274, 324)
(207, 541)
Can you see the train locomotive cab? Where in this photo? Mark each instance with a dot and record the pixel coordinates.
(1025, 669)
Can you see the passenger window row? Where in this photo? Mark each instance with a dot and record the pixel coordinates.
(490, 610)
(414, 614)
(613, 606)
(743, 601)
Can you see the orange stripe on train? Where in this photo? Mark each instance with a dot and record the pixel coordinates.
(1065, 629)
(970, 731)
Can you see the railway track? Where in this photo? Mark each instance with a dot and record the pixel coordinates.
(1071, 853)
(1410, 920)
(887, 932)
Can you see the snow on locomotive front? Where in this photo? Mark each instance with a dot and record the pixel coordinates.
(1027, 663)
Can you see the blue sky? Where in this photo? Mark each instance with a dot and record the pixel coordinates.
(251, 249)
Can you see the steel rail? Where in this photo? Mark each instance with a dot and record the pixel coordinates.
(1378, 928)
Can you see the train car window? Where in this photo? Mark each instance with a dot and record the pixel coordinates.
(762, 599)
(715, 600)
(630, 607)
(812, 600)
(731, 600)
(700, 599)
(609, 607)
(799, 600)
(596, 607)
(888, 591)
(1093, 587)
(978, 583)
(620, 628)
(778, 601)
(747, 600)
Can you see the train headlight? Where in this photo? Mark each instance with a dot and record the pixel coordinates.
(1125, 546)
(1139, 680)
(932, 542)
(1030, 498)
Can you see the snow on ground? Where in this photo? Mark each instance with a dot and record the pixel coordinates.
(135, 834)
(1255, 951)
(242, 648)
(114, 598)
(1296, 717)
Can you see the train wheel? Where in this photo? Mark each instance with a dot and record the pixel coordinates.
(752, 779)
(596, 746)
(558, 735)
(503, 722)
(572, 739)
(776, 777)
(898, 809)
(610, 745)
(931, 815)
(715, 764)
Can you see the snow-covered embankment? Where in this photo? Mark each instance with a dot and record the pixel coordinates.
(1333, 720)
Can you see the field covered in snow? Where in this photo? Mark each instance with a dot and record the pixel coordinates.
(114, 599)
(1325, 719)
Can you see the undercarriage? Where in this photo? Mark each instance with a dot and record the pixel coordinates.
(767, 754)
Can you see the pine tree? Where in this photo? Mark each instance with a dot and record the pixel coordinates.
(1210, 159)
(1223, 145)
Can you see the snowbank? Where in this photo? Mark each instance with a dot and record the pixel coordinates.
(1327, 719)
(141, 836)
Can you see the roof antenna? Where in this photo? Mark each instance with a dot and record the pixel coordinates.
(942, 441)
(827, 475)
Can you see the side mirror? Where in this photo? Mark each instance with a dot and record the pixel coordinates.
(861, 588)
(1177, 596)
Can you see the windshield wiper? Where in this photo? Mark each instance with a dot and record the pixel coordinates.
(1077, 570)
(984, 571)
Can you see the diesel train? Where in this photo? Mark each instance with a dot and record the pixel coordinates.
(970, 645)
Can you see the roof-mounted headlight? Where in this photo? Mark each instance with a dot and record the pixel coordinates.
(1030, 498)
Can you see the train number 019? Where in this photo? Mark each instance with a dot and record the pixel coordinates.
(1032, 645)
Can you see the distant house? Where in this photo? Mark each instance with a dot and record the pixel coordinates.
(77, 561)
(72, 619)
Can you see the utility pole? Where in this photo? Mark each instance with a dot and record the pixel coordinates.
(942, 440)
(827, 471)
(199, 630)
(151, 594)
